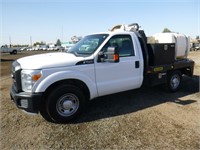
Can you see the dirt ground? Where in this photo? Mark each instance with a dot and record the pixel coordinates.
(146, 118)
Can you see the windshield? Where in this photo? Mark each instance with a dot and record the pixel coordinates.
(88, 44)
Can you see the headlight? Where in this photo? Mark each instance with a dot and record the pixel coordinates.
(28, 79)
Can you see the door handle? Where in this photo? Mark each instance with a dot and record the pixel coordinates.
(137, 64)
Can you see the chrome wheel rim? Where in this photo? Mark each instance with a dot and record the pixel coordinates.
(67, 105)
(175, 81)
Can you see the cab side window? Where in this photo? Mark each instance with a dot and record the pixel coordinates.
(123, 43)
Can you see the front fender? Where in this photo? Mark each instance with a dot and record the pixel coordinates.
(45, 82)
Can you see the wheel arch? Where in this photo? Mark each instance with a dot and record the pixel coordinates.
(78, 83)
(184, 71)
(75, 78)
(187, 71)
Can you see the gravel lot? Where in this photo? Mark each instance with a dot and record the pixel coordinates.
(146, 118)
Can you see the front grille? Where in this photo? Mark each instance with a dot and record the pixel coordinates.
(16, 75)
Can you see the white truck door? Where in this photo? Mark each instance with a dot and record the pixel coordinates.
(126, 74)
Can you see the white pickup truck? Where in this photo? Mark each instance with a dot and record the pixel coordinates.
(6, 49)
(59, 85)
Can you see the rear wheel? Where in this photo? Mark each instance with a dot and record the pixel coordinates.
(174, 81)
(65, 103)
(14, 52)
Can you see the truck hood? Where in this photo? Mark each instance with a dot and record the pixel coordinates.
(49, 60)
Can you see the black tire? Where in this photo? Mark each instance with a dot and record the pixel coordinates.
(174, 81)
(43, 111)
(65, 103)
(14, 52)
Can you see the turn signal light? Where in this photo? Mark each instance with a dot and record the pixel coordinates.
(116, 57)
(36, 77)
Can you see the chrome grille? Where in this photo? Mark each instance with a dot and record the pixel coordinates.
(16, 72)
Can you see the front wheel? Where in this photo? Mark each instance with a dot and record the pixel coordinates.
(13, 52)
(174, 81)
(65, 103)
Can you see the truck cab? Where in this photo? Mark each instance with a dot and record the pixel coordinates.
(109, 74)
(59, 85)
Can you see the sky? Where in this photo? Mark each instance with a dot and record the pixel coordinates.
(23, 21)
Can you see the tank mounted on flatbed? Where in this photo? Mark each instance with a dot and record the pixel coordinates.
(182, 42)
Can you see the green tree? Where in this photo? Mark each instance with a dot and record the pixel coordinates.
(39, 43)
(36, 43)
(58, 42)
(165, 30)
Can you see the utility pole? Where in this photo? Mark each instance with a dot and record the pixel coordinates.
(10, 41)
(62, 32)
(31, 40)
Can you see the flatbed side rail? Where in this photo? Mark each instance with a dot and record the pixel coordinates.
(185, 65)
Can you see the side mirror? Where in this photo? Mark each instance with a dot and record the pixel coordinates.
(112, 55)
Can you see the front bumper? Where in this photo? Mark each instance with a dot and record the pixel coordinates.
(29, 102)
